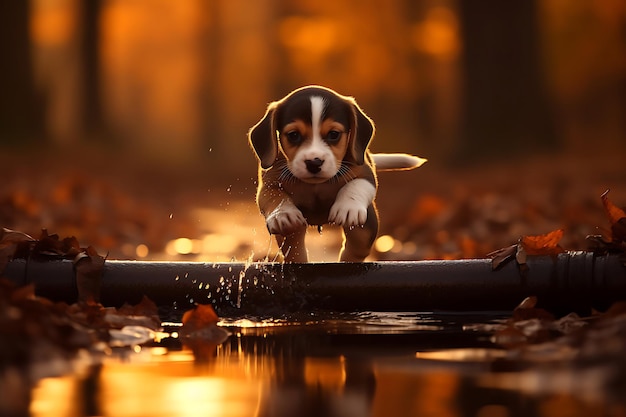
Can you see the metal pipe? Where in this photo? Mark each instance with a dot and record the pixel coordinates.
(571, 281)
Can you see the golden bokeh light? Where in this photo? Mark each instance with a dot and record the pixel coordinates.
(384, 243)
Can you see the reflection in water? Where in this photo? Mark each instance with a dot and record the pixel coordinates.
(323, 369)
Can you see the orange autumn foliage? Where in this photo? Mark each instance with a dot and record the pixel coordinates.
(615, 213)
(546, 244)
(201, 316)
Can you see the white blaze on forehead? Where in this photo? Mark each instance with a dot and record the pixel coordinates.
(314, 148)
(317, 109)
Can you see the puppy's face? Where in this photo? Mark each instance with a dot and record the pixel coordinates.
(313, 131)
(317, 130)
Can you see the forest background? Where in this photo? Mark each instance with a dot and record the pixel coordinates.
(124, 122)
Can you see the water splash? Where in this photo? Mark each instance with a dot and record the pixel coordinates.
(247, 264)
(242, 274)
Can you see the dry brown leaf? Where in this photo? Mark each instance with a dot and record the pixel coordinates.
(89, 267)
(201, 333)
(146, 307)
(201, 316)
(547, 244)
(617, 218)
(528, 302)
(8, 236)
(501, 256)
(510, 337)
(614, 213)
(10, 243)
(528, 310)
(52, 245)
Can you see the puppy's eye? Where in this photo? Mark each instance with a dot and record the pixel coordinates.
(294, 137)
(333, 136)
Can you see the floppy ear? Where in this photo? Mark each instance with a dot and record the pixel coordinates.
(263, 139)
(362, 132)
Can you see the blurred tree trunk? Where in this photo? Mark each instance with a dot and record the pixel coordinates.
(21, 110)
(93, 125)
(505, 107)
(238, 73)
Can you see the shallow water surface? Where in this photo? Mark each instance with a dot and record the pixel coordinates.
(327, 364)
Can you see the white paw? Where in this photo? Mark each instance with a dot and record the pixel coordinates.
(285, 220)
(347, 213)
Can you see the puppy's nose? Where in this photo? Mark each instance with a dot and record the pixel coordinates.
(313, 165)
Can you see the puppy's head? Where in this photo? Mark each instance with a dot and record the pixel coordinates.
(316, 129)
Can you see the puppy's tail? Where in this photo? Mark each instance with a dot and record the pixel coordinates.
(396, 161)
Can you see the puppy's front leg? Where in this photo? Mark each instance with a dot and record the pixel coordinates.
(354, 206)
(359, 240)
(289, 225)
(352, 202)
(284, 220)
(293, 247)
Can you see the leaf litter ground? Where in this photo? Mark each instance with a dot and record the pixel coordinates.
(544, 204)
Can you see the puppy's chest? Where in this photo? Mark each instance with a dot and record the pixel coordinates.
(314, 200)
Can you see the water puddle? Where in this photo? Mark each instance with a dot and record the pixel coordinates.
(330, 364)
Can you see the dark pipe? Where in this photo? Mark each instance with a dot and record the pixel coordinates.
(571, 281)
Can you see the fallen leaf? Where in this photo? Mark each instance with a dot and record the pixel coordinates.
(200, 332)
(146, 307)
(521, 256)
(37, 333)
(201, 316)
(547, 244)
(10, 243)
(617, 218)
(8, 236)
(201, 324)
(48, 245)
(618, 230)
(528, 310)
(528, 302)
(618, 308)
(501, 256)
(510, 337)
(569, 323)
(614, 213)
(145, 314)
(89, 267)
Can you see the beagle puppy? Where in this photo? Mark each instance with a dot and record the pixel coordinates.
(314, 169)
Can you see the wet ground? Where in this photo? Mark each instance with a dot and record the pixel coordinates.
(367, 364)
(311, 364)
